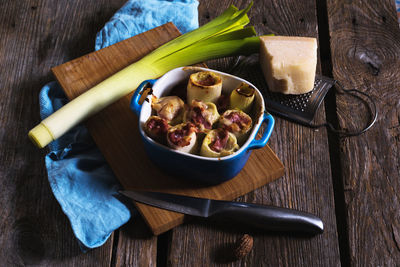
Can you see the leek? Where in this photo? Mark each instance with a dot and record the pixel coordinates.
(205, 86)
(242, 97)
(221, 37)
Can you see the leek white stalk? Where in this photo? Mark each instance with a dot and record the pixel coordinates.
(205, 86)
(223, 36)
(89, 103)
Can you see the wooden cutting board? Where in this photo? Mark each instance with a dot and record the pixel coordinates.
(115, 131)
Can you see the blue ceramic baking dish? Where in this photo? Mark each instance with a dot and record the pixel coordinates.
(195, 167)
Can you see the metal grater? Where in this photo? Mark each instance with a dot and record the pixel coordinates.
(298, 108)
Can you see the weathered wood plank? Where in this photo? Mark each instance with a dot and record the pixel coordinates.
(35, 36)
(307, 184)
(365, 52)
(137, 246)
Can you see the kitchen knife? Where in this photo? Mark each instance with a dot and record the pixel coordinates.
(254, 215)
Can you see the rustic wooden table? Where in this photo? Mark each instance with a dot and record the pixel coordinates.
(351, 183)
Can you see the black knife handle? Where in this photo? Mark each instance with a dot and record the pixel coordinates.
(267, 217)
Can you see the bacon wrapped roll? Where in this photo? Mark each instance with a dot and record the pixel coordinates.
(170, 108)
(182, 137)
(156, 128)
(203, 115)
(242, 97)
(218, 143)
(236, 122)
(205, 86)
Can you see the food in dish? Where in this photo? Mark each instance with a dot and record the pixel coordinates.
(157, 128)
(202, 114)
(289, 63)
(236, 122)
(218, 143)
(170, 108)
(182, 137)
(242, 97)
(204, 86)
(196, 127)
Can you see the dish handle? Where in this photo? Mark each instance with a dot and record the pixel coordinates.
(135, 106)
(270, 122)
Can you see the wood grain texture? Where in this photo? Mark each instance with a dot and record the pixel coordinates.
(115, 130)
(136, 245)
(307, 184)
(365, 51)
(36, 35)
(39, 34)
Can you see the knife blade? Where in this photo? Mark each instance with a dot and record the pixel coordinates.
(263, 217)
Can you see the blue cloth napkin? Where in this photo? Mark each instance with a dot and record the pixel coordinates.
(79, 176)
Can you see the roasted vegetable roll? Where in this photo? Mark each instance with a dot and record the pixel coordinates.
(170, 108)
(203, 115)
(236, 122)
(205, 86)
(218, 143)
(182, 137)
(242, 97)
(223, 103)
(157, 128)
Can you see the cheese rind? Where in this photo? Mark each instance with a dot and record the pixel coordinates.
(289, 63)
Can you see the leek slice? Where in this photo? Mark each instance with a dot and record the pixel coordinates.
(205, 86)
(236, 122)
(182, 137)
(170, 108)
(208, 146)
(202, 114)
(228, 20)
(242, 97)
(156, 128)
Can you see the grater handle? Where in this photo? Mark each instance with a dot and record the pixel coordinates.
(270, 122)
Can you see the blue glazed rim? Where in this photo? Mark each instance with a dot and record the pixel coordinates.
(267, 118)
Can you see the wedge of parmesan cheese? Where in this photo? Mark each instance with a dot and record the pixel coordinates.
(289, 63)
